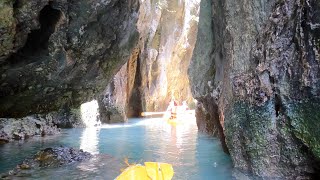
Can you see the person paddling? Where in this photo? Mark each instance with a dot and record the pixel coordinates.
(172, 109)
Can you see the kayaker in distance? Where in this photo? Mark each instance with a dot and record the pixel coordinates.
(172, 109)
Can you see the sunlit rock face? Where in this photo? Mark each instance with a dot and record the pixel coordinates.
(61, 53)
(158, 68)
(255, 74)
(166, 52)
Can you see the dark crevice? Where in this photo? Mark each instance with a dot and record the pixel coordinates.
(272, 81)
(135, 98)
(212, 108)
(277, 105)
(38, 39)
(38, 126)
(17, 4)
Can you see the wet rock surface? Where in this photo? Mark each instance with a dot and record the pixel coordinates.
(255, 70)
(23, 128)
(4, 138)
(49, 157)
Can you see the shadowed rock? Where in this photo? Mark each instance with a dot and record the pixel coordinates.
(61, 53)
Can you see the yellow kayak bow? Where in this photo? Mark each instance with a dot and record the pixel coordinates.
(150, 171)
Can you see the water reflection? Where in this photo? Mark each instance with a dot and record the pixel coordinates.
(90, 140)
(176, 144)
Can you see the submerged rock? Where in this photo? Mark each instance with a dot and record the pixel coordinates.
(53, 157)
(49, 157)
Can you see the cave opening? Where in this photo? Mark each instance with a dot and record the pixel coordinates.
(38, 40)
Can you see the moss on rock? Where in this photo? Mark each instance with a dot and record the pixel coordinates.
(248, 131)
(305, 116)
(265, 144)
(7, 26)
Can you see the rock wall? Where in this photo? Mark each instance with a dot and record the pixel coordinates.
(61, 53)
(113, 101)
(255, 74)
(158, 68)
(166, 52)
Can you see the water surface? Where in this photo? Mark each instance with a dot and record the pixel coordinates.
(193, 155)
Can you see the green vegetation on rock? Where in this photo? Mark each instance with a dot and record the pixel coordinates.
(7, 23)
(250, 125)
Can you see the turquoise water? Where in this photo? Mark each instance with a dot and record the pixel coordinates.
(193, 155)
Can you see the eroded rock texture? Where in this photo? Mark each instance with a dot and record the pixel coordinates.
(166, 52)
(61, 53)
(255, 73)
(20, 129)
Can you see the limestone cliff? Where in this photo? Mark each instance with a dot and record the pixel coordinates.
(166, 53)
(61, 53)
(255, 72)
(157, 68)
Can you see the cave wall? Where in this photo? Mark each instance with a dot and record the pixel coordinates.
(61, 53)
(255, 74)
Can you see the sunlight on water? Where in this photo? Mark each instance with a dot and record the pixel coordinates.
(89, 140)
